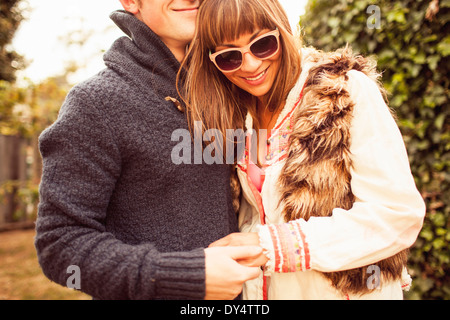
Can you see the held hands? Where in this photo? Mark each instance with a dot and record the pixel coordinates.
(230, 262)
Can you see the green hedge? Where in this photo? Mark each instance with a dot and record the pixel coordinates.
(411, 41)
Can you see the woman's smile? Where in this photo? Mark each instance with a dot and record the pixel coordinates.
(258, 79)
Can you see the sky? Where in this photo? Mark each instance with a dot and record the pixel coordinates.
(43, 37)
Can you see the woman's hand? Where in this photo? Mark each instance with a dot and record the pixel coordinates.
(243, 239)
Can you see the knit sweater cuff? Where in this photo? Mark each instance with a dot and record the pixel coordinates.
(180, 275)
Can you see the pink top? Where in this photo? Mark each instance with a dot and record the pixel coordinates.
(256, 175)
(278, 143)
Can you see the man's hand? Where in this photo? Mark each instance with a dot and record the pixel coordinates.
(224, 274)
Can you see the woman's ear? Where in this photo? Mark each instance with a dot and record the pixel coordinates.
(131, 6)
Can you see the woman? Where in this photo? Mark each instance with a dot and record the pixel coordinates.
(328, 194)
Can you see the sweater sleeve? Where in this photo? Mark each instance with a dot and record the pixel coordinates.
(387, 215)
(81, 164)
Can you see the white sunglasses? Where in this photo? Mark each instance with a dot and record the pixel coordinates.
(263, 47)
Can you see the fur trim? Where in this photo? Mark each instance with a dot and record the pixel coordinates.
(235, 188)
(316, 177)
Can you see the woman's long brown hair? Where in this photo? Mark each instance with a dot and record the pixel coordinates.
(208, 95)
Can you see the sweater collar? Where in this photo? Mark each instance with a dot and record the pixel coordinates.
(142, 56)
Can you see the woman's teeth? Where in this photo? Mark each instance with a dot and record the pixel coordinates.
(257, 77)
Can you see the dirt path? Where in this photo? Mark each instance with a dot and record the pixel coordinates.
(21, 277)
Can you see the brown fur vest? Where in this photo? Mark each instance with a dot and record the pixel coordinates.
(316, 176)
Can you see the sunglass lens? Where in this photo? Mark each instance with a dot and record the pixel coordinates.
(229, 60)
(264, 47)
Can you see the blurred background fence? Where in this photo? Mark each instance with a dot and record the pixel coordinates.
(26, 109)
(13, 176)
(24, 113)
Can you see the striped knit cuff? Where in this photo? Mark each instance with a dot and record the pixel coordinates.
(180, 275)
(286, 247)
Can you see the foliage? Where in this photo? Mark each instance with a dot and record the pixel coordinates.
(27, 109)
(10, 18)
(412, 46)
(10, 96)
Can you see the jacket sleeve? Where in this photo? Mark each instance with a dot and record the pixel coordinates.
(387, 215)
(81, 164)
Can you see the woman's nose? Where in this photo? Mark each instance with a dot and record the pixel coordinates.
(250, 63)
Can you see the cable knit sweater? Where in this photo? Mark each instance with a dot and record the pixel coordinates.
(112, 201)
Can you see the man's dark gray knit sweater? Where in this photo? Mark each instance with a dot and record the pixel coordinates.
(112, 202)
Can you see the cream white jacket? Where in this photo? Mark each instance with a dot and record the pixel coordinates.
(386, 217)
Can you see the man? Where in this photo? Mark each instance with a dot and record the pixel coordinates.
(113, 205)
